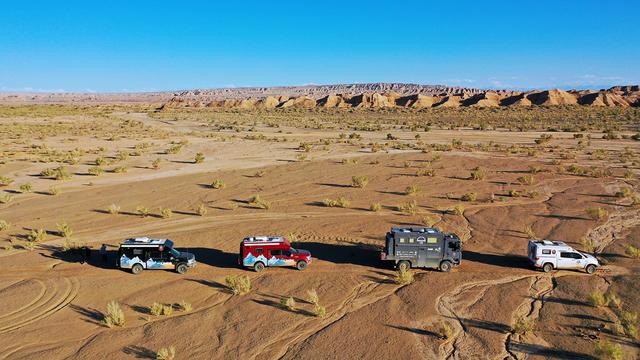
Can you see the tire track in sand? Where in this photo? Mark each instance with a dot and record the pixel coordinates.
(58, 293)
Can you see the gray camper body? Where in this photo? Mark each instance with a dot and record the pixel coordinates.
(422, 247)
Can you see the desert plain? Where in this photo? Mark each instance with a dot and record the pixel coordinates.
(333, 181)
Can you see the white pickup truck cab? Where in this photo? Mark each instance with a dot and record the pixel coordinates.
(550, 255)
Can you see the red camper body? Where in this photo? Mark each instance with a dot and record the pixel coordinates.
(259, 252)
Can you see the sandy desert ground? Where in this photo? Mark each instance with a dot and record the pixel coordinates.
(533, 185)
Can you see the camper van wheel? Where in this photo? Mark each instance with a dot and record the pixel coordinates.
(258, 266)
(301, 265)
(590, 269)
(182, 268)
(404, 265)
(547, 267)
(136, 269)
(445, 266)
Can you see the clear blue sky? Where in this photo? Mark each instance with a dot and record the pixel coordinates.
(162, 45)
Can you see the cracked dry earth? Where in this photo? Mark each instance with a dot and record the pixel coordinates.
(51, 305)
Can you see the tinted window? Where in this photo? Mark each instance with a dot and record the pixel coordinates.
(546, 252)
(276, 252)
(258, 251)
(137, 252)
(567, 255)
(286, 253)
(155, 255)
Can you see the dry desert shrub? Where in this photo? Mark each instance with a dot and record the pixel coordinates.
(114, 315)
(218, 184)
(201, 210)
(359, 181)
(469, 196)
(457, 210)
(589, 245)
(288, 303)
(37, 235)
(259, 202)
(64, 230)
(239, 285)
(477, 173)
(409, 208)
(26, 188)
(4, 225)
(525, 179)
(53, 191)
(426, 172)
(531, 234)
(319, 311)
(597, 299)
(523, 325)
(259, 173)
(199, 158)
(166, 213)
(5, 198)
(445, 331)
(312, 297)
(375, 207)
(155, 164)
(157, 309)
(633, 251)
(597, 213)
(142, 210)
(113, 209)
(166, 353)
(606, 350)
(403, 277)
(624, 193)
(120, 169)
(411, 190)
(5, 181)
(95, 171)
(184, 306)
(429, 220)
(339, 202)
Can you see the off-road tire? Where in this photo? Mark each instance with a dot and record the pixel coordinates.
(301, 265)
(445, 266)
(136, 269)
(547, 267)
(258, 267)
(590, 269)
(181, 268)
(403, 265)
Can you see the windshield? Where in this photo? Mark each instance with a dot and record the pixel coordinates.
(455, 245)
(174, 252)
(293, 251)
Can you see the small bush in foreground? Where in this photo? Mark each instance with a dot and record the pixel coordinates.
(4, 225)
(5, 181)
(312, 297)
(597, 213)
(259, 202)
(155, 164)
(26, 188)
(469, 196)
(114, 315)
(410, 207)
(403, 277)
(606, 350)
(239, 285)
(633, 251)
(202, 210)
(457, 210)
(53, 191)
(166, 353)
(375, 207)
(589, 245)
(37, 235)
(445, 330)
(531, 234)
(411, 190)
(142, 210)
(597, 299)
(184, 306)
(477, 174)
(218, 184)
(95, 171)
(113, 209)
(5, 198)
(359, 181)
(199, 158)
(166, 213)
(64, 230)
(339, 202)
(523, 326)
(319, 311)
(288, 303)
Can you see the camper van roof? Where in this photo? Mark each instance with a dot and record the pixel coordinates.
(145, 241)
(414, 230)
(263, 239)
(549, 243)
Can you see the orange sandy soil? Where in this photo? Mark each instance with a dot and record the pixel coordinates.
(51, 305)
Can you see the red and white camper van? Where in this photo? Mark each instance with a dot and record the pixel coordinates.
(261, 251)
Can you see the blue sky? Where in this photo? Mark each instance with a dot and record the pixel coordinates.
(162, 45)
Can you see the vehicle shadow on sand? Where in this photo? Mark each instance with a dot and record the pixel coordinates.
(502, 260)
(356, 254)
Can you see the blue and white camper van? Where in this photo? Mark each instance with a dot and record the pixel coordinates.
(142, 253)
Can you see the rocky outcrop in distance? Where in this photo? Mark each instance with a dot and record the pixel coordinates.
(619, 96)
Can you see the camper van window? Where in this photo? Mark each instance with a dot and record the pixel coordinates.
(259, 251)
(432, 240)
(276, 252)
(137, 251)
(412, 240)
(567, 255)
(402, 240)
(546, 252)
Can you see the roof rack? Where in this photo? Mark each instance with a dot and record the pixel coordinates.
(419, 230)
(255, 239)
(551, 243)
